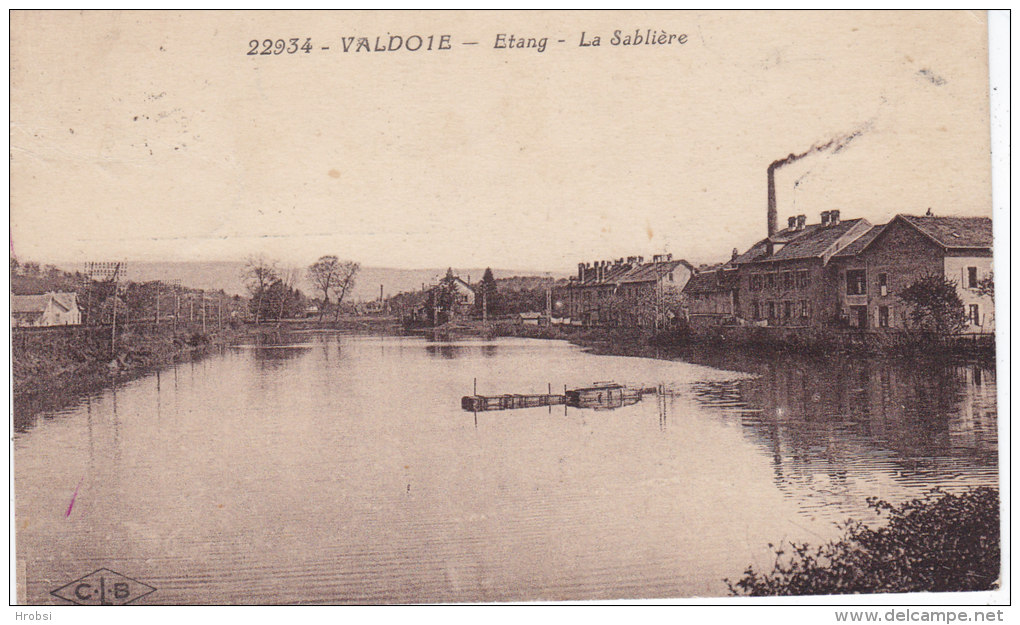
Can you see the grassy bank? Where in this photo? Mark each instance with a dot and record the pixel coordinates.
(939, 543)
(51, 368)
(808, 343)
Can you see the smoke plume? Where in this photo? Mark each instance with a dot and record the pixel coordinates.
(836, 144)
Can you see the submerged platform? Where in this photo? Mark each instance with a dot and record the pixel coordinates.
(606, 396)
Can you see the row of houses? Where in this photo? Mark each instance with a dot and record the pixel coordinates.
(834, 273)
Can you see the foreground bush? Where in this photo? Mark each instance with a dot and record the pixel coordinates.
(939, 543)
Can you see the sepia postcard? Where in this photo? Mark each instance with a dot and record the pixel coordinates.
(445, 307)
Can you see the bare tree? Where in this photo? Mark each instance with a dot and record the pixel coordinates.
(347, 271)
(323, 275)
(259, 274)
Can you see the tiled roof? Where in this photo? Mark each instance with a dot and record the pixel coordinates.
(756, 252)
(814, 243)
(858, 244)
(954, 231)
(712, 281)
(630, 273)
(29, 303)
(811, 242)
(650, 271)
(38, 303)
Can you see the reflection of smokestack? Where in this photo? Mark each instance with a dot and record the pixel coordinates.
(836, 145)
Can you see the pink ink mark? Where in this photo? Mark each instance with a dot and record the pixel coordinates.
(73, 497)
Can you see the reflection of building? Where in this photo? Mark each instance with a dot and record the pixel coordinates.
(876, 268)
(625, 292)
(840, 430)
(51, 309)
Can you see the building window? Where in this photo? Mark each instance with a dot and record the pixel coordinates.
(770, 280)
(856, 282)
(972, 278)
(787, 310)
(755, 311)
(975, 315)
(804, 309)
(671, 276)
(802, 279)
(883, 316)
(787, 279)
(883, 284)
(772, 310)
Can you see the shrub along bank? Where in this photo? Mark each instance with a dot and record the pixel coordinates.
(939, 543)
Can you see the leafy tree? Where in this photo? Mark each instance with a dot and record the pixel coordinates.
(347, 272)
(259, 274)
(283, 301)
(934, 305)
(986, 286)
(487, 293)
(323, 274)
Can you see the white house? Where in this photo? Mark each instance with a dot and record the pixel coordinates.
(50, 309)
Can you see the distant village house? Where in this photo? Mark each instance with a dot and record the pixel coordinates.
(50, 309)
(625, 292)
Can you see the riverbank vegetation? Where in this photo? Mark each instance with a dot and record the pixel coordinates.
(941, 542)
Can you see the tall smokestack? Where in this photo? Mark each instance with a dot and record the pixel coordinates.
(773, 216)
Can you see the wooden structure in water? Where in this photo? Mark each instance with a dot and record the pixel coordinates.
(481, 403)
(603, 396)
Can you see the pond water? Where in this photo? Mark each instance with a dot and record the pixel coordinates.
(342, 469)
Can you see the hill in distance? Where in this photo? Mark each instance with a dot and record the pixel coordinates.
(227, 275)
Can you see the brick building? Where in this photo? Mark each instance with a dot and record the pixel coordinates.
(625, 292)
(788, 279)
(875, 269)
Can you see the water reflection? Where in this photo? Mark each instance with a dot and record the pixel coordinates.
(316, 472)
(825, 423)
(448, 352)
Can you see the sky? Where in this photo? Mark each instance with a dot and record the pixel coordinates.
(154, 136)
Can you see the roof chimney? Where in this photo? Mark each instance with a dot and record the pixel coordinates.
(735, 253)
(833, 218)
(801, 221)
(825, 218)
(580, 272)
(791, 223)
